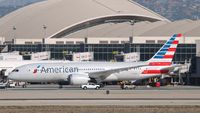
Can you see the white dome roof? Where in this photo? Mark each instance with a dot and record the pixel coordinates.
(66, 16)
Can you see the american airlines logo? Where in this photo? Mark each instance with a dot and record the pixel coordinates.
(36, 70)
(61, 69)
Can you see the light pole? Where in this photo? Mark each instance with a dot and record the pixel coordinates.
(87, 29)
(45, 34)
(132, 24)
(14, 37)
(45, 30)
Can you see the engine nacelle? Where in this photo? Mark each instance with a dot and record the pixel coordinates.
(78, 79)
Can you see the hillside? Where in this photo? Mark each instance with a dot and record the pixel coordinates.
(174, 9)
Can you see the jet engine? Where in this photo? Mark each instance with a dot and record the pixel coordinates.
(78, 79)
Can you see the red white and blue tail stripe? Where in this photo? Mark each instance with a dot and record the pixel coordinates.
(162, 60)
(165, 55)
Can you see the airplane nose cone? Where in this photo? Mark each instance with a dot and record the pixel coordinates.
(11, 76)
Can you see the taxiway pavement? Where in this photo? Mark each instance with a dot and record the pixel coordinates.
(33, 96)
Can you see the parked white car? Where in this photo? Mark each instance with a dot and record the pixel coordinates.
(11, 85)
(90, 86)
(128, 86)
(3, 85)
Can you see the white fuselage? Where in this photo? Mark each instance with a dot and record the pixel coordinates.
(46, 72)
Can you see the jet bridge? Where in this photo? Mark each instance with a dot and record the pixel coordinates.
(181, 72)
(3, 76)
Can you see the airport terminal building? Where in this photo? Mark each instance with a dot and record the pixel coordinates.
(105, 27)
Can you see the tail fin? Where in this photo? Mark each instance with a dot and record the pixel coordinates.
(166, 53)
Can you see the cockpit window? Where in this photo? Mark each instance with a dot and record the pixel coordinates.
(15, 70)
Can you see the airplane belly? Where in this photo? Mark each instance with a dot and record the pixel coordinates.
(126, 75)
(50, 77)
(41, 77)
(112, 77)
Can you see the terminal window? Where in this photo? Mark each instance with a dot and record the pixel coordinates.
(150, 41)
(103, 42)
(27, 43)
(114, 42)
(162, 41)
(59, 42)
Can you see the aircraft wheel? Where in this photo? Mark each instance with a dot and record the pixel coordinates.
(84, 87)
(97, 88)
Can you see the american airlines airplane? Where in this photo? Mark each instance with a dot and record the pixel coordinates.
(84, 72)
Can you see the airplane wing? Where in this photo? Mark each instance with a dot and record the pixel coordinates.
(103, 74)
